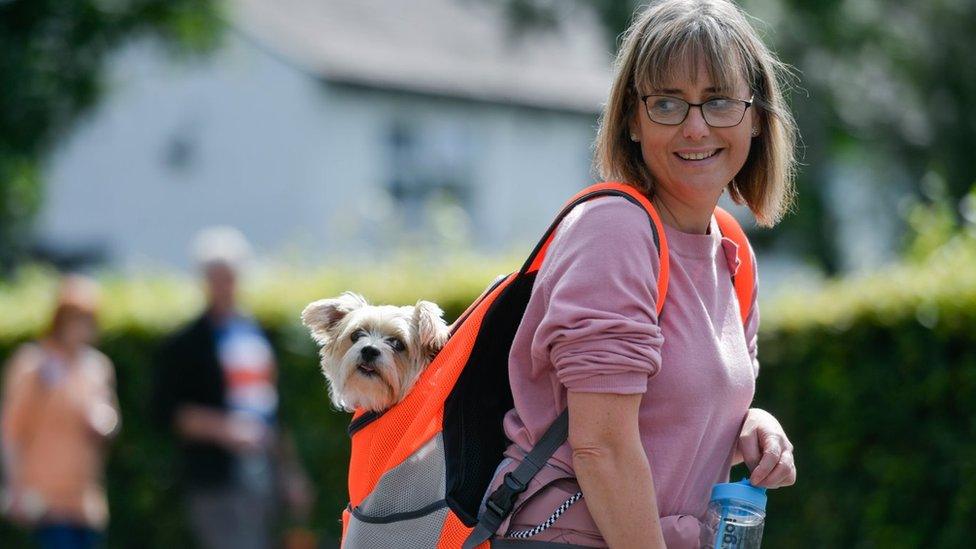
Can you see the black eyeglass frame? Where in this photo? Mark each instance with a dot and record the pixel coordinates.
(699, 105)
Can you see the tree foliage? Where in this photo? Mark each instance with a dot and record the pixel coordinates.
(52, 56)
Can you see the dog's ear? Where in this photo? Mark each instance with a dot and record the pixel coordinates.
(322, 316)
(432, 331)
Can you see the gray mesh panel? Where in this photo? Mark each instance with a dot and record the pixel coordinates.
(422, 532)
(414, 484)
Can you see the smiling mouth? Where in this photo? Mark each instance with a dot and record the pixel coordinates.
(698, 156)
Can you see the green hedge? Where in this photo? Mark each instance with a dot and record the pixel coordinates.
(874, 380)
(139, 310)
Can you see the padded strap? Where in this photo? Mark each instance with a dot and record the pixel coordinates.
(610, 188)
(745, 278)
(499, 504)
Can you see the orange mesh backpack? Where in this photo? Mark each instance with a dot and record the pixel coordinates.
(419, 470)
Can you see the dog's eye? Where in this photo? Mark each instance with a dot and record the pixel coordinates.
(397, 344)
(357, 334)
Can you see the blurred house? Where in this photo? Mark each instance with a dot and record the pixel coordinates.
(323, 128)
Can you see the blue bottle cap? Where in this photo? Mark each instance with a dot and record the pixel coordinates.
(741, 490)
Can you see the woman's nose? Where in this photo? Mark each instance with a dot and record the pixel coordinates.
(694, 126)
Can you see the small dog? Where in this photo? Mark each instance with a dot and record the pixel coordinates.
(373, 354)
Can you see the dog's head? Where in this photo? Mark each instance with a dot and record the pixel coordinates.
(373, 354)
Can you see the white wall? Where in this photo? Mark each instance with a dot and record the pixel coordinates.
(298, 164)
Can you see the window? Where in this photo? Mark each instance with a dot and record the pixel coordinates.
(431, 167)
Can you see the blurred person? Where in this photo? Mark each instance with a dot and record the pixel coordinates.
(215, 389)
(59, 410)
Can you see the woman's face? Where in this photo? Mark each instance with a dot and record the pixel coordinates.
(663, 146)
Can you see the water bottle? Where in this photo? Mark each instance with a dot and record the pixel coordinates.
(736, 514)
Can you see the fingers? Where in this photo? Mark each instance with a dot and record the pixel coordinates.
(784, 474)
(767, 452)
(777, 467)
(772, 450)
(749, 448)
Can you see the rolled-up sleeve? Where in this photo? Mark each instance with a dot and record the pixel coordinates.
(599, 277)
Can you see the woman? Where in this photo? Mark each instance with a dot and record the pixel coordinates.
(658, 407)
(59, 410)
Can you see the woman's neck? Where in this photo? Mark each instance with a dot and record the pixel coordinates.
(686, 217)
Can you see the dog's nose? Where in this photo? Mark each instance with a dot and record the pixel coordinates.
(369, 352)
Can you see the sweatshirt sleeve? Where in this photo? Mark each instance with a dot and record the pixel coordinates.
(599, 278)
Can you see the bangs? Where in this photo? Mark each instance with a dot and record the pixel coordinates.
(675, 53)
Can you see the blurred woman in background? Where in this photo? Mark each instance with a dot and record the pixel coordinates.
(59, 409)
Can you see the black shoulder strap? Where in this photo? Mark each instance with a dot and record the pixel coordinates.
(499, 504)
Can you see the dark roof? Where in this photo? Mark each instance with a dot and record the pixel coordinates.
(460, 48)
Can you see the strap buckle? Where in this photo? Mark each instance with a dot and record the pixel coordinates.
(502, 499)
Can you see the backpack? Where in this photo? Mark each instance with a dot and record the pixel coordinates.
(419, 470)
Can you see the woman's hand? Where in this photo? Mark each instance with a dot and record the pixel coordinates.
(766, 450)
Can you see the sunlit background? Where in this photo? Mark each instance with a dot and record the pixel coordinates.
(416, 149)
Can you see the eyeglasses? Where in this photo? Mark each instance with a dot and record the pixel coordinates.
(721, 112)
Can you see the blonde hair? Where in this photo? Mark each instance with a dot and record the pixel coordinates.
(656, 48)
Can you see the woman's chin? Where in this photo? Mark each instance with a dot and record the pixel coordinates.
(703, 184)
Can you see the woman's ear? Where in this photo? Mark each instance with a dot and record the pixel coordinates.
(633, 123)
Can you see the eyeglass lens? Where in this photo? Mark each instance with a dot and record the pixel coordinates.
(718, 112)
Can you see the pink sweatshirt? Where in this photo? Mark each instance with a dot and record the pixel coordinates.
(591, 326)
